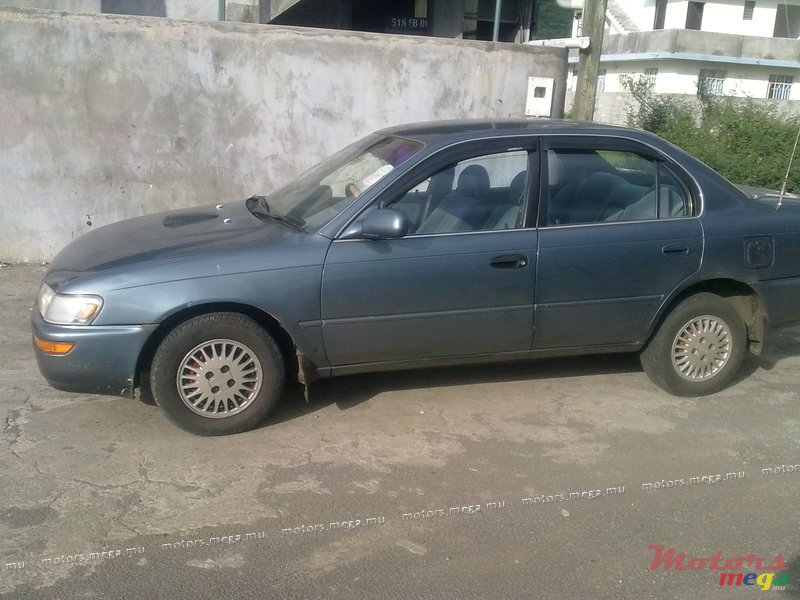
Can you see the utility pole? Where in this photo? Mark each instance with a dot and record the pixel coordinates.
(594, 20)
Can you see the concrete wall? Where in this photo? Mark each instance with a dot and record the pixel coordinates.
(609, 107)
(114, 117)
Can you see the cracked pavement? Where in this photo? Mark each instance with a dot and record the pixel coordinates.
(92, 474)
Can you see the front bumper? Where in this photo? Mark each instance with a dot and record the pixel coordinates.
(103, 360)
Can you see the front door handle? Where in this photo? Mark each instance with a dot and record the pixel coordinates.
(677, 249)
(509, 261)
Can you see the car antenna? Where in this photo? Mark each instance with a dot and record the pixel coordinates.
(788, 169)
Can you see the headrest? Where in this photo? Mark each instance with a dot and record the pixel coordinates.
(474, 182)
(555, 169)
(516, 191)
(441, 184)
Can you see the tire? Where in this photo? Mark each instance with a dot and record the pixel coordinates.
(217, 374)
(698, 348)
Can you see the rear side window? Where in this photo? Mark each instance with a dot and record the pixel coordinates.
(598, 185)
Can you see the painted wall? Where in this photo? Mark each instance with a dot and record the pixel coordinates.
(680, 77)
(722, 16)
(675, 17)
(108, 117)
(727, 17)
(613, 107)
(633, 54)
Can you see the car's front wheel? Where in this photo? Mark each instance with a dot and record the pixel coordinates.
(217, 374)
(698, 348)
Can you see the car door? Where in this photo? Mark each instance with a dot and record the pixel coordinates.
(618, 233)
(461, 282)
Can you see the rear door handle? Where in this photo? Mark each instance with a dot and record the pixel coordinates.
(677, 249)
(509, 261)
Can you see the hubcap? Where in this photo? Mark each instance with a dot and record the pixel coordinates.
(219, 378)
(702, 348)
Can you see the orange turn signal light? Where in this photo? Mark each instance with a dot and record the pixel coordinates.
(49, 347)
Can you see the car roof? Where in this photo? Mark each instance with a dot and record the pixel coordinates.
(463, 129)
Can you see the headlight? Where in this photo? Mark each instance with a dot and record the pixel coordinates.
(68, 310)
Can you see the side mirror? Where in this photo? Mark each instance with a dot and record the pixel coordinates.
(381, 224)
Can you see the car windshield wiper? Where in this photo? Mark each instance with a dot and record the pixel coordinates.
(259, 206)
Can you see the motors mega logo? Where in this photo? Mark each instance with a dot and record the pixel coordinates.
(774, 576)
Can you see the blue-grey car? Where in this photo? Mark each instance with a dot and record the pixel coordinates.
(427, 244)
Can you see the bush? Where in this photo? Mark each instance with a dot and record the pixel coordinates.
(746, 141)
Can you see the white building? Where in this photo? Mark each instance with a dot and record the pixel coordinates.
(732, 47)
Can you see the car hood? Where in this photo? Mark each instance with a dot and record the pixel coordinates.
(162, 236)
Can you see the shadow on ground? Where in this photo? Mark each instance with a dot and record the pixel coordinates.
(349, 391)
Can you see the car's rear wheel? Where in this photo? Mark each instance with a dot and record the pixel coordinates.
(698, 348)
(217, 374)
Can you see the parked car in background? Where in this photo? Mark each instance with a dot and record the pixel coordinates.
(428, 244)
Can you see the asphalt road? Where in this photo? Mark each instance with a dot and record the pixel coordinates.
(448, 483)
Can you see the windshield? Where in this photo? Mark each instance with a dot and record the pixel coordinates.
(322, 192)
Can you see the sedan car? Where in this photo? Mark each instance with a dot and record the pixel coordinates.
(421, 245)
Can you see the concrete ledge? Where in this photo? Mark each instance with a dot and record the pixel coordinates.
(109, 117)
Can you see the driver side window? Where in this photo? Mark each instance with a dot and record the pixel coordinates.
(483, 193)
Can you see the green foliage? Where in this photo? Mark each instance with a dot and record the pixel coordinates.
(746, 141)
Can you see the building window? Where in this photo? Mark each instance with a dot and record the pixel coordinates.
(650, 77)
(601, 80)
(661, 14)
(710, 82)
(694, 15)
(145, 8)
(787, 21)
(749, 6)
(780, 87)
